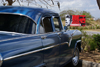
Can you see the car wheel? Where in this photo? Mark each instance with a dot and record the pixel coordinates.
(75, 58)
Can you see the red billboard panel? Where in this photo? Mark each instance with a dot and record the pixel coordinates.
(82, 20)
(78, 20)
(75, 21)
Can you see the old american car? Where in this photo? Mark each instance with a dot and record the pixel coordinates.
(34, 37)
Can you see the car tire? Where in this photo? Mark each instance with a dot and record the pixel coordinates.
(75, 58)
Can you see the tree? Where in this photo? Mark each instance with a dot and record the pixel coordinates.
(87, 14)
(47, 3)
(70, 12)
(76, 12)
(63, 13)
(98, 2)
(98, 20)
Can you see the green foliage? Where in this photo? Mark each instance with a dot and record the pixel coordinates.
(70, 12)
(85, 43)
(94, 42)
(88, 22)
(90, 42)
(87, 14)
(97, 26)
(96, 38)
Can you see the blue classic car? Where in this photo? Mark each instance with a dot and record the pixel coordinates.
(34, 37)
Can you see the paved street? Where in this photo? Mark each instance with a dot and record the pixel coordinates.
(92, 32)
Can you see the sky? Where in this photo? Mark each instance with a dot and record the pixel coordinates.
(81, 5)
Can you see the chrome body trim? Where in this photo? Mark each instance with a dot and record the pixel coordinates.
(30, 35)
(12, 33)
(12, 57)
(1, 60)
(78, 41)
(17, 38)
(76, 45)
(64, 43)
(73, 32)
(71, 38)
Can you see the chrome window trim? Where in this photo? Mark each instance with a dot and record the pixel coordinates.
(59, 21)
(18, 14)
(21, 15)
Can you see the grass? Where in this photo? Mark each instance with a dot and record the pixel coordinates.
(97, 30)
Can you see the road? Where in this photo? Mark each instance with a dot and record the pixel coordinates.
(92, 32)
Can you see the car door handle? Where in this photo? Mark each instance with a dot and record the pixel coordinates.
(59, 33)
(43, 37)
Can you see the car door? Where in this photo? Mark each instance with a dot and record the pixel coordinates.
(65, 51)
(22, 50)
(50, 42)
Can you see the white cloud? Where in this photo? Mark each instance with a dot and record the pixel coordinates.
(86, 5)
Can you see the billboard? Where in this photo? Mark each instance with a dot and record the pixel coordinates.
(75, 20)
(68, 20)
(82, 19)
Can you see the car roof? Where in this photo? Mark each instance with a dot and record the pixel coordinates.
(31, 12)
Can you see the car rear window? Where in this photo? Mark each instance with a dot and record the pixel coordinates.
(16, 23)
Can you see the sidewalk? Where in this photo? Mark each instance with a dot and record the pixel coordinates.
(83, 63)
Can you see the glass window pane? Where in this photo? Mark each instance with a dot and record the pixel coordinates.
(46, 25)
(41, 28)
(56, 23)
(15, 23)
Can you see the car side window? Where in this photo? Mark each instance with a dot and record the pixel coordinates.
(56, 24)
(46, 25)
(41, 28)
(16, 23)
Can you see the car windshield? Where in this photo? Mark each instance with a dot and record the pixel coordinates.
(16, 23)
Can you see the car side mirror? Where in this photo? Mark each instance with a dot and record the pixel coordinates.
(65, 28)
